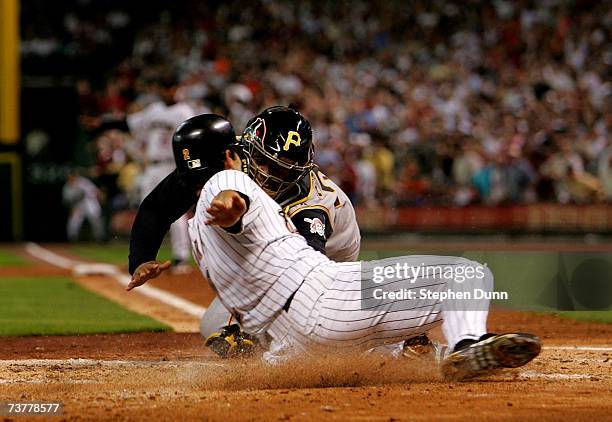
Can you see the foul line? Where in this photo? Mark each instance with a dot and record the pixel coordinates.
(83, 268)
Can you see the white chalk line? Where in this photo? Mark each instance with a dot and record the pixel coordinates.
(582, 348)
(87, 364)
(105, 362)
(553, 376)
(4, 382)
(83, 268)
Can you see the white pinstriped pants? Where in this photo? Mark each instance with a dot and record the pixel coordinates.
(327, 311)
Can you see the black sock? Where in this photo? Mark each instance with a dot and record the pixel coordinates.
(466, 342)
(463, 344)
(486, 336)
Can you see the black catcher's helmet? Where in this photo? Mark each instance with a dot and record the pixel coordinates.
(199, 146)
(278, 146)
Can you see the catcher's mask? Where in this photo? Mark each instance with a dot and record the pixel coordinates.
(277, 144)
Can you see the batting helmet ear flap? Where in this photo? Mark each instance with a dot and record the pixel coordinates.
(199, 145)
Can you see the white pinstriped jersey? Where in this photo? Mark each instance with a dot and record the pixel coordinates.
(154, 126)
(345, 240)
(265, 260)
(257, 269)
(341, 245)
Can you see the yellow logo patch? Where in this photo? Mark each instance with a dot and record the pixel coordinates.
(186, 154)
(293, 138)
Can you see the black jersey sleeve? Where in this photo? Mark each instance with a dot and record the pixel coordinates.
(314, 225)
(170, 199)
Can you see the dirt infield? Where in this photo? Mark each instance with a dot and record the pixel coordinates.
(171, 376)
(175, 377)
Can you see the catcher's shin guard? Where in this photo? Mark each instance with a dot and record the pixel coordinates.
(230, 342)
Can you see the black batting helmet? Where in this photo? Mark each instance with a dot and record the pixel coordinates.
(199, 146)
(278, 146)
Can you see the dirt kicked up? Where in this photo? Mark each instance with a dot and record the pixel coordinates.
(171, 376)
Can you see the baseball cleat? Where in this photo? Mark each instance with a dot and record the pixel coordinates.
(421, 347)
(219, 344)
(495, 352)
(418, 347)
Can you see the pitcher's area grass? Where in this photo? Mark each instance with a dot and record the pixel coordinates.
(58, 306)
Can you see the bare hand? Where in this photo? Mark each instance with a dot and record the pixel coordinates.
(226, 209)
(147, 271)
(232, 161)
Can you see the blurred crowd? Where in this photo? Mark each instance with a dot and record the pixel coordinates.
(412, 103)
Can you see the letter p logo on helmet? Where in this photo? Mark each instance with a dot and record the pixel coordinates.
(293, 138)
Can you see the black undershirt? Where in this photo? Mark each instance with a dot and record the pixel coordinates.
(170, 199)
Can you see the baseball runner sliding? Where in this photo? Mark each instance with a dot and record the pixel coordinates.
(271, 279)
(320, 210)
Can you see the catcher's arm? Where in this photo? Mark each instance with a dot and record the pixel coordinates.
(314, 226)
